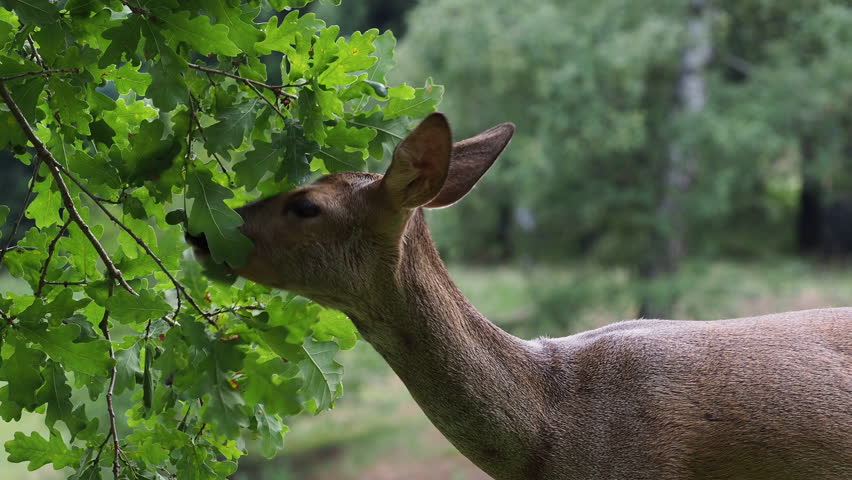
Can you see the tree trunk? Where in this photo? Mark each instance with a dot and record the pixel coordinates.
(670, 247)
(809, 227)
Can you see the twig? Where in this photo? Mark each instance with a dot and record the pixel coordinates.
(104, 325)
(50, 249)
(40, 72)
(29, 194)
(137, 9)
(68, 284)
(276, 89)
(55, 167)
(194, 118)
(182, 425)
(101, 448)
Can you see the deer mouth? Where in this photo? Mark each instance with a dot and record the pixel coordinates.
(199, 243)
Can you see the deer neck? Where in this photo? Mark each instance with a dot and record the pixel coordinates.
(479, 385)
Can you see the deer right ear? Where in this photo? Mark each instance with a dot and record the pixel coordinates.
(420, 164)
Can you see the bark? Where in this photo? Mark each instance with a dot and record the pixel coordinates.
(809, 225)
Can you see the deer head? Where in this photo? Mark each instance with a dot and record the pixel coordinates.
(340, 238)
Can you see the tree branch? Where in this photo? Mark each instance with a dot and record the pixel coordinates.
(104, 325)
(40, 72)
(278, 90)
(54, 166)
(178, 286)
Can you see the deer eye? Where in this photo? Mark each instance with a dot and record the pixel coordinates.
(303, 208)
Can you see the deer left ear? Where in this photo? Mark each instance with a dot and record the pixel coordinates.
(420, 164)
(469, 161)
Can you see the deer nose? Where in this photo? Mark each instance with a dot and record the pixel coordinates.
(248, 209)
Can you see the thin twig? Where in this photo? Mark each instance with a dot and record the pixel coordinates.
(104, 325)
(39, 72)
(6, 317)
(101, 448)
(200, 431)
(268, 102)
(50, 249)
(35, 54)
(55, 168)
(276, 89)
(29, 194)
(236, 308)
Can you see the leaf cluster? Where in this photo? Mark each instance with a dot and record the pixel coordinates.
(137, 117)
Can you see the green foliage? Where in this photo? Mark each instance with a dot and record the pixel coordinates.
(155, 114)
(592, 84)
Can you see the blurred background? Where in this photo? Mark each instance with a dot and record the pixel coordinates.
(675, 159)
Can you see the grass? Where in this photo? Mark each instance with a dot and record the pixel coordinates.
(378, 432)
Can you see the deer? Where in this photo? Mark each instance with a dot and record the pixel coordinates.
(762, 398)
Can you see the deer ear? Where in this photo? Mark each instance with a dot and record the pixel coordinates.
(469, 161)
(420, 163)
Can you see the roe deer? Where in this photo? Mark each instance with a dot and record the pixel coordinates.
(766, 398)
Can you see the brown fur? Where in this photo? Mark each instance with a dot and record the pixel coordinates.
(764, 398)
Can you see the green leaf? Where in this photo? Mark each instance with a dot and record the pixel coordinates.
(352, 56)
(259, 161)
(57, 395)
(235, 118)
(388, 132)
(39, 452)
(322, 374)
(148, 155)
(336, 160)
(128, 309)
(127, 367)
(91, 358)
(273, 383)
(36, 12)
(126, 117)
(123, 42)
(271, 432)
(20, 371)
(241, 29)
(200, 34)
(209, 215)
(128, 78)
(421, 103)
(176, 217)
(4, 211)
(282, 37)
(335, 325)
(349, 138)
(384, 45)
(298, 150)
